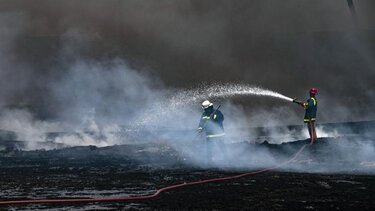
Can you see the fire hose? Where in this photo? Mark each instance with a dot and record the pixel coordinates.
(157, 192)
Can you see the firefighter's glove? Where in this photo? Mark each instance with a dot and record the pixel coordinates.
(200, 129)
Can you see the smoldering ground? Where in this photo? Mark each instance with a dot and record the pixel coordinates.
(65, 68)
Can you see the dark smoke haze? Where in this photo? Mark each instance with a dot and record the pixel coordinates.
(53, 52)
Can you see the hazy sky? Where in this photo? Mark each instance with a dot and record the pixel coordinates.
(287, 46)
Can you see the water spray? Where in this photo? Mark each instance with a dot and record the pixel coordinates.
(222, 91)
(188, 97)
(238, 89)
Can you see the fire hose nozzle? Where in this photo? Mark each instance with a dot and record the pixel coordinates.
(297, 102)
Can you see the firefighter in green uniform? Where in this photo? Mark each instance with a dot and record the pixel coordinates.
(310, 106)
(211, 123)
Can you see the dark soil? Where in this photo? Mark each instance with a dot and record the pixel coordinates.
(90, 172)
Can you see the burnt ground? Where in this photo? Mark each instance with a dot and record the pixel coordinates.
(269, 191)
(323, 177)
(87, 172)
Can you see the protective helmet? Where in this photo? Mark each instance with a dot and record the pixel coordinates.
(206, 104)
(313, 91)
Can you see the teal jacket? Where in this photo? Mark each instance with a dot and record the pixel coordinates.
(311, 107)
(212, 123)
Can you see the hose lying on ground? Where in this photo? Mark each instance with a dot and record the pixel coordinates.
(150, 196)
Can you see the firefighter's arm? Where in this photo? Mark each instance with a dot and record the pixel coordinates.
(202, 122)
(302, 104)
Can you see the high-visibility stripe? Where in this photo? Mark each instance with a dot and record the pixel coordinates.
(309, 120)
(314, 101)
(216, 135)
(200, 128)
(208, 117)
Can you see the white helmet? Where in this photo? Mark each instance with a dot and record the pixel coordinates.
(206, 104)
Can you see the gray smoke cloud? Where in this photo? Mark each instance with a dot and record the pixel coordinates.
(96, 67)
(287, 46)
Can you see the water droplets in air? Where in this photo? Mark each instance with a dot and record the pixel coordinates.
(188, 97)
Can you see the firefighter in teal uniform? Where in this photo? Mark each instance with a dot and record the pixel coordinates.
(211, 123)
(310, 106)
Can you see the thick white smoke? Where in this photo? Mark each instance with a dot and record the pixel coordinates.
(104, 101)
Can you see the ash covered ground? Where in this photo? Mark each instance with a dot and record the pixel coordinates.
(324, 175)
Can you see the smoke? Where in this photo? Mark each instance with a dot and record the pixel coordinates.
(138, 71)
(282, 45)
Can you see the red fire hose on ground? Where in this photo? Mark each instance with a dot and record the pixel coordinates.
(144, 197)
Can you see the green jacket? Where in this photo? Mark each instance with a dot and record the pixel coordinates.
(212, 123)
(311, 106)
